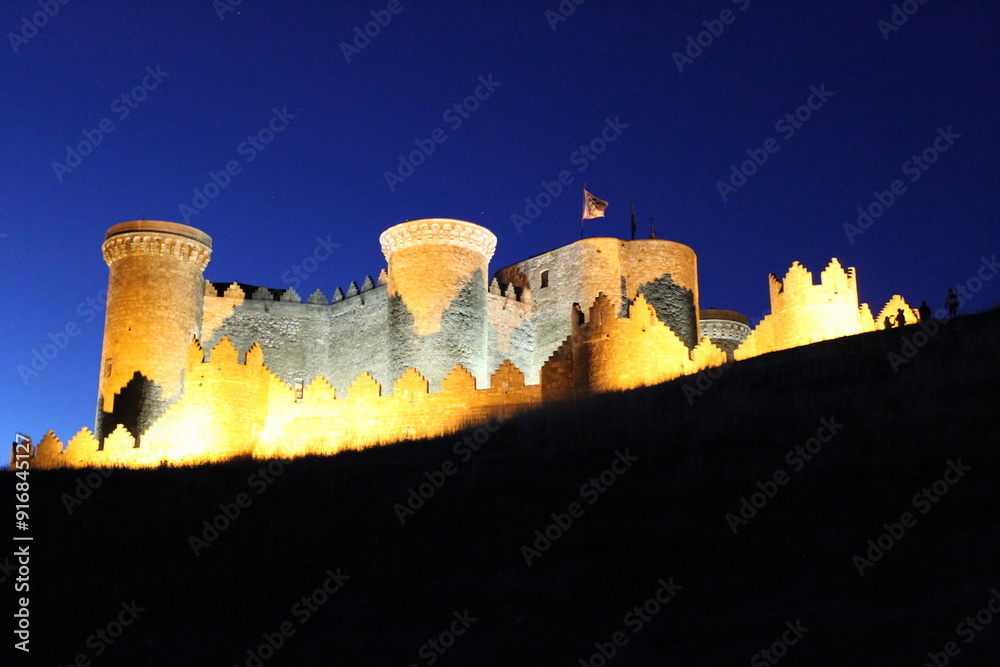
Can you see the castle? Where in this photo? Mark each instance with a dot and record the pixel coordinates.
(197, 371)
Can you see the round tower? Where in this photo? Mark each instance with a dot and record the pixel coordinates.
(727, 329)
(156, 294)
(437, 282)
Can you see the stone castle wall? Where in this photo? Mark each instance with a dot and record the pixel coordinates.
(232, 408)
(665, 272)
(803, 312)
(429, 347)
(302, 340)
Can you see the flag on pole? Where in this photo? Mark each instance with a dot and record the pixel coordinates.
(632, 207)
(652, 230)
(592, 206)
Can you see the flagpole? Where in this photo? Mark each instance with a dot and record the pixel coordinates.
(584, 211)
(631, 207)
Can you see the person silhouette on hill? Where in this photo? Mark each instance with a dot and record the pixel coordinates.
(887, 322)
(925, 312)
(900, 317)
(951, 300)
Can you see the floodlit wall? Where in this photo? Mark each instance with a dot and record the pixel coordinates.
(196, 371)
(231, 408)
(664, 271)
(609, 353)
(803, 312)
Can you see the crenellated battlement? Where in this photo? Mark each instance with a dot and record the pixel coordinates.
(152, 238)
(231, 408)
(240, 292)
(803, 312)
(437, 231)
(510, 291)
(434, 343)
(608, 351)
(797, 288)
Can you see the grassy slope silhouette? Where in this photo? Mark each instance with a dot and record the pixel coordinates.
(665, 517)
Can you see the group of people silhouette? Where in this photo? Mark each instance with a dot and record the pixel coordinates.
(950, 302)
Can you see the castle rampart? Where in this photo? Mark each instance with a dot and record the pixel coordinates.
(664, 271)
(803, 312)
(197, 371)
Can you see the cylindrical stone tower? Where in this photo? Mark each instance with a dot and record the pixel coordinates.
(646, 263)
(438, 271)
(156, 294)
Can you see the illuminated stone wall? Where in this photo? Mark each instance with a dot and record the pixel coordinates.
(664, 271)
(230, 408)
(609, 353)
(511, 334)
(204, 371)
(337, 340)
(803, 312)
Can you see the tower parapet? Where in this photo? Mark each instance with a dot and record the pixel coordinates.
(727, 329)
(431, 260)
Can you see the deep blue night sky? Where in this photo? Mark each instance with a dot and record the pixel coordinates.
(345, 124)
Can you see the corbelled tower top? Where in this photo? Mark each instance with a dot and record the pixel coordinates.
(438, 231)
(157, 238)
(431, 261)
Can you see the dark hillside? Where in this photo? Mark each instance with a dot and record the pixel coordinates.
(787, 581)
